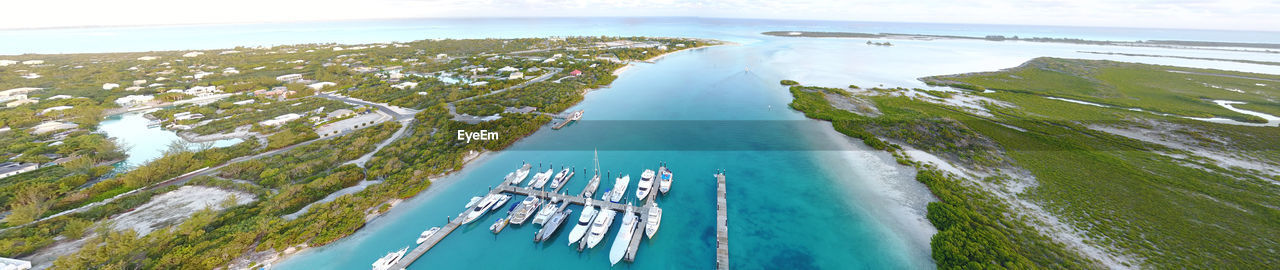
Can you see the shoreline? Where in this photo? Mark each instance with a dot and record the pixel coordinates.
(443, 180)
(651, 60)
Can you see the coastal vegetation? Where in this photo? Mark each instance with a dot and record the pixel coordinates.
(1143, 198)
(291, 172)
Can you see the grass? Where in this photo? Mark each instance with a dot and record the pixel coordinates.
(1123, 193)
(1174, 90)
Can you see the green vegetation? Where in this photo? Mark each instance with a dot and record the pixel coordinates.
(1132, 197)
(789, 82)
(299, 177)
(974, 231)
(1167, 89)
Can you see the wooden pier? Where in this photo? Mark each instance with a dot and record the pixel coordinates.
(575, 116)
(722, 225)
(426, 245)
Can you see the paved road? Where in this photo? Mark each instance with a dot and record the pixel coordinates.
(453, 110)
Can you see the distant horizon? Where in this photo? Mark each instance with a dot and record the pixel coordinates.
(98, 26)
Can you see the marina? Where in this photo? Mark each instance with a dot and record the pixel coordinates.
(556, 204)
(575, 116)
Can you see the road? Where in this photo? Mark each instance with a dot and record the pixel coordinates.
(453, 110)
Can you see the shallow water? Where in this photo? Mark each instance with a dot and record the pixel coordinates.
(143, 143)
(800, 195)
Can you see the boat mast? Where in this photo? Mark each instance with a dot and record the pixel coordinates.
(597, 161)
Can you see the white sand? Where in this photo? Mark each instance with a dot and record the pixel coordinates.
(175, 206)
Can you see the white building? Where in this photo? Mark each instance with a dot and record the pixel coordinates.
(244, 102)
(201, 91)
(132, 100)
(192, 54)
(139, 82)
(230, 71)
(147, 58)
(405, 85)
(516, 75)
(201, 74)
(321, 85)
(289, 77)
(442, 56)
(280, 120)
(54, 109)
(57, 97)
(8, 169)
(508, 69)
(7, 62)
(109, 86)
(52, 126)
(33, 62)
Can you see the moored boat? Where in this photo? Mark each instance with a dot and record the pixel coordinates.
(600, 227)
(427, 234)
(525, 210)
(473, 202)
(645, 184)
(552, 225)
(480, 209)
(540, 179)
(584, 223)
(623, 239)
(592, 186)
(502, 201)
(390, 259)
(620, 188)
(498, 225)
(547, 211)
(655, 219)
(664, 179)
(518, 176)
(561, 178)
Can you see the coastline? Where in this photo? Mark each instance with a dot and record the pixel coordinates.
(656, 58)
(443, 180)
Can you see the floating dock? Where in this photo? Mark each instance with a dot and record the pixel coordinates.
(722, 225)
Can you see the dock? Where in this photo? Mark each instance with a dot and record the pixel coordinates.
(431, 242)
(636, 237)
(575, 116)
(722, 225)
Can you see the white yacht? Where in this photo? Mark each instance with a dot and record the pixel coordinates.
(473, 202)
(646, 183)
(427, 234)
(600, 227)
(561, 178)
(500, 202)
(547, 211)
(623, 238)
(518, 176)
(620, 188)
(655, 219)
(390, 259)
(664, 179)
(592, 186)
(584, 223)
(525, 210)
(540, 179)
(480, 209)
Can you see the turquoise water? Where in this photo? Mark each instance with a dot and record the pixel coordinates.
(785, 208)
(140, 142)
(800, 195)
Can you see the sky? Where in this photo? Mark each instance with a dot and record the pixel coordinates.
(1184, 14)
